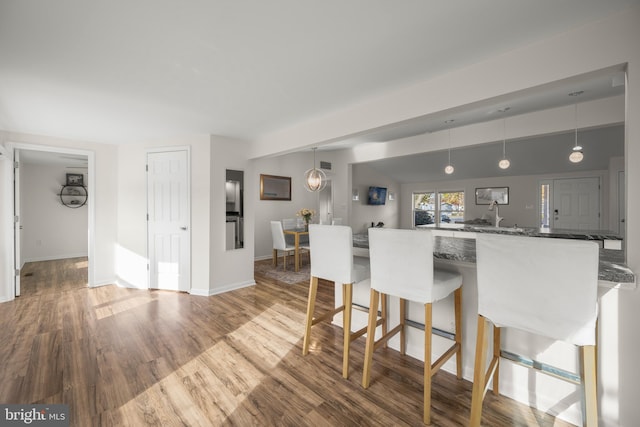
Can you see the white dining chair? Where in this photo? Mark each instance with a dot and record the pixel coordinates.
(332, 260)
(402, 266)
(543, 286)
(280, 244)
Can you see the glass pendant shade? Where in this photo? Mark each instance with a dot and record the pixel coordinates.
(576, 155)
(504, 163)
(449, 168)
(315, 179)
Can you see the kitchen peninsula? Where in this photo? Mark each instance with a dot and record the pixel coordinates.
(456, 250)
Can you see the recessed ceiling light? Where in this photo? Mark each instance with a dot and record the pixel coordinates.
(576, 93)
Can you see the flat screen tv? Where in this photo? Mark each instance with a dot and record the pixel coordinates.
(377, 196)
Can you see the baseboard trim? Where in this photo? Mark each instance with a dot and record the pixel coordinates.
(222, 290)
(54, 257)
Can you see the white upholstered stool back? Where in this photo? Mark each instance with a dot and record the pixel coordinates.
(402, 266)
(544, 286)
(332, 259)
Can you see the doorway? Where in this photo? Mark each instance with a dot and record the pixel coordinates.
(41, 240)
(572, 203)
(325, 204)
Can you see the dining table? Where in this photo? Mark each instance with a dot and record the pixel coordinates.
(296, 235)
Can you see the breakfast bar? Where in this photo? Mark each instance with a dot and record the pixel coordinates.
(459, 254)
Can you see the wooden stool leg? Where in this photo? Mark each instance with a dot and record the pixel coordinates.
(458, 318)
(428, 311)
(371, 337)
(403, 318)
(588, 374)
(347, 292)
(313, 290)
(479, 373)
(274, 255)
(384, 314)
(496, 356)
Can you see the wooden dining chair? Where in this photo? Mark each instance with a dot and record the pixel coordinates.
(543, 286)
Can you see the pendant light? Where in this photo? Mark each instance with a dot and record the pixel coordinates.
(449, 168)
(576, 155)
(315, 179)
(504, 163)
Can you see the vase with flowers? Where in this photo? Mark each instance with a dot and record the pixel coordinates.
(306, 215)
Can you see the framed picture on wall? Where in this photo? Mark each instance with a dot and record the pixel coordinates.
(75, 179)
(274, 187)
(485, 196)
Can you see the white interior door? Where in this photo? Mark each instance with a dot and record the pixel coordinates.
(325, 204)
(17, 233)
(168, 206)
(576, 203)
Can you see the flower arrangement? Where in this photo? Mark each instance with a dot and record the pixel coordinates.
(306, 214)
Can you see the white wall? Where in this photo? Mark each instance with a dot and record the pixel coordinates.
(131, 247)
(524, 195)
(50, 229)
(234, 268)
(362, 214)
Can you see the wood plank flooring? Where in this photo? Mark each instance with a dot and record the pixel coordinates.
(122, 357)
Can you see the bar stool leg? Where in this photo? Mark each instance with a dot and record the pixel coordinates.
(496, 356)
(347, 295)
(313, 290)
(274, 257)
(403, 333)
(458, 318)
(479, 373)
(371, 337)
(384, 315)
(428, 312)
(590, 394)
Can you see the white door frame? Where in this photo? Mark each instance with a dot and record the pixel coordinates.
(166, 150)
(12, 147)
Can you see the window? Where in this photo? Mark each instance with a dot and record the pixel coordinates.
(545, 205)
(437, 208)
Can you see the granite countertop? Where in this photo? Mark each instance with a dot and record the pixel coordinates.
(611, 268)
(531, 231)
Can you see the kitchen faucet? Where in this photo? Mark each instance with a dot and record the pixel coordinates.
(492, 205)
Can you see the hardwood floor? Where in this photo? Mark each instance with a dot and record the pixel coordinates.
(122, 357)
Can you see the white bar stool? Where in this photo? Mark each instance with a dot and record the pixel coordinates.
(402, 266)
(332, 259)
(544, 286)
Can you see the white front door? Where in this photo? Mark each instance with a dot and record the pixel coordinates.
(576, 203)
(168, 207)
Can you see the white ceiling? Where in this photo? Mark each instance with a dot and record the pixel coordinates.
(115, 71)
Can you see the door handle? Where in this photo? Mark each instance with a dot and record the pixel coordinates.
(183, 228)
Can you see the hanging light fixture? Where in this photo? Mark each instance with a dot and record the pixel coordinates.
(315, 179)
(449, 168)
(576, 155)
(504, 163)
